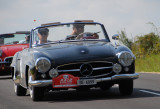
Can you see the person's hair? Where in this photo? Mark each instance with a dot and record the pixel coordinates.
(78, 25)
(28, 36)
(43, 31)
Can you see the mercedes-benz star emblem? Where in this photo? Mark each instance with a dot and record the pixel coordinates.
(83, 51)
(86, 69)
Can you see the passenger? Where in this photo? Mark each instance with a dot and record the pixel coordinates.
(42, 35)
(27, 39)
(1, 41)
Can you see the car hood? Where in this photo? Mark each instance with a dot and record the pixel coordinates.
(78, 51)
(10, 50)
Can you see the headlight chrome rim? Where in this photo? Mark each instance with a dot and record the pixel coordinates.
(43, 69)
(125, 58)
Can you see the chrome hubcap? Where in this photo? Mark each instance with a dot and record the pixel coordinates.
(15, 88)
(31, 92)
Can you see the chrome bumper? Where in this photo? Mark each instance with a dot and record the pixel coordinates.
(41, 83)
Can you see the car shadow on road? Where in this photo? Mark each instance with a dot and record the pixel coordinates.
(95, 94)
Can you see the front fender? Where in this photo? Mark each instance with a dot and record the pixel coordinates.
(15, 69)
(123, 48)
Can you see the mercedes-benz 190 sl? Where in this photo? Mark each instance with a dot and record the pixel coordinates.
(76, 55)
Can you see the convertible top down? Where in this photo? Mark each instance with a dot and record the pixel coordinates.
(75, 55)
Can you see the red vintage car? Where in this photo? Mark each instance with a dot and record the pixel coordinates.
(9, 45)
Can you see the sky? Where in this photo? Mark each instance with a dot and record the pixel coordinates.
(116, 15)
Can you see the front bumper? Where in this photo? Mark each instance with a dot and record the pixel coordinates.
(41, 83)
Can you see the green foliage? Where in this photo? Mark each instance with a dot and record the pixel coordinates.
(149, 63)
(146, 48)
(124, 39)
(147, 44)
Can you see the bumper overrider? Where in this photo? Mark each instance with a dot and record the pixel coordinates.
(42, 83)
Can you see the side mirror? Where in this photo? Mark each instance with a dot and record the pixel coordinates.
(115, 37)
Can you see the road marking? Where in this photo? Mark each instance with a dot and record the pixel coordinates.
(150, 92)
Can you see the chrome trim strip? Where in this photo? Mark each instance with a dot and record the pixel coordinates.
(65, 85)
(101, 68)
(73, 70)
(77, 70)
(84, 63)
(5, 62)
(41, 83)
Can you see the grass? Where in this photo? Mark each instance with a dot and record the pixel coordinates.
(150, 63)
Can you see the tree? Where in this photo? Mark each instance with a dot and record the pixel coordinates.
(124, 39)
(147, 44)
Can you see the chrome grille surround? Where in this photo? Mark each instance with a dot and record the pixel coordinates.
(0, 62)
(8, 61)
(97, 69)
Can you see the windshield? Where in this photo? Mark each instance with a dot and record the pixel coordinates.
(68, 32)
(7, 39)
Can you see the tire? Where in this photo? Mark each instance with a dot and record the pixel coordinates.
(36, 93)
(126, 87)
(19, 90)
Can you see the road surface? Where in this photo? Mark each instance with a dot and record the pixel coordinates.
(146, 95)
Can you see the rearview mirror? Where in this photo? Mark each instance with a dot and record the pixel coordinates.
(115, 37)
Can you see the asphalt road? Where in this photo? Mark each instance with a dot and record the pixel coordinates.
(146, 95)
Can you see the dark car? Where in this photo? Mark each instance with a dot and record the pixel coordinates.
(10, 43)
(75, 55)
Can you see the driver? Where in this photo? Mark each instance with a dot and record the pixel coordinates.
(78, 33)
(77, 29)
(42, 35)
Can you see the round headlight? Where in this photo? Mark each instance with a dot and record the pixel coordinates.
(125, 58)
(43, 64)
(117, 68)
(53, 73)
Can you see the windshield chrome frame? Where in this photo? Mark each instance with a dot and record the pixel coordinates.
(103, 29)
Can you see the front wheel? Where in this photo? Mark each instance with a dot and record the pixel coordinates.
(19, 90)
(36, 93)
(126, 87)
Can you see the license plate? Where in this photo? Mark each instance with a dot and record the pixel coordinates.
(86, 82)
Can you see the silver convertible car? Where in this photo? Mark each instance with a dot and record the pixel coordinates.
(76, 55)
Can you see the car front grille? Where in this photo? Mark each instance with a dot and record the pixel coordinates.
(87, 69)
(8, 61)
